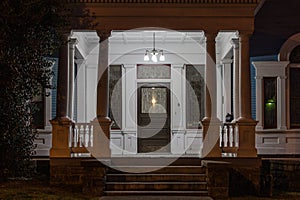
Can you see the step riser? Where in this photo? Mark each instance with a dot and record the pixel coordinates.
(175, 180)
(166, 170)
(156, 161)
(144, 193)
(156, 187)
(156, 178)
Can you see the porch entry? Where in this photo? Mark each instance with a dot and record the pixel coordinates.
(153, 118)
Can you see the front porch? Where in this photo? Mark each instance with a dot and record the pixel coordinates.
(83, 154)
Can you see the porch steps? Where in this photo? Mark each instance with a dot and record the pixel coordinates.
(173, 180)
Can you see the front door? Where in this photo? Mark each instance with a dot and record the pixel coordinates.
(153, 118)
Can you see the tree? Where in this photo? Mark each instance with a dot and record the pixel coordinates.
(28, 35)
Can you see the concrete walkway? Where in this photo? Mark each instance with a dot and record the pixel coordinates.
(154, 198)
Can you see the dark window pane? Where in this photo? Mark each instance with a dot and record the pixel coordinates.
(295, 97)
(270, 103)
(295, 55)
(115, 96)
(195, 95)
(38, 115)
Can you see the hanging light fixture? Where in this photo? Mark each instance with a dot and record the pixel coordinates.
(154, 53)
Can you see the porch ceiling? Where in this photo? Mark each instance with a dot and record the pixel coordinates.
(161, 36)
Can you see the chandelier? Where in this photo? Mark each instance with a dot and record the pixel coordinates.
(154, 53)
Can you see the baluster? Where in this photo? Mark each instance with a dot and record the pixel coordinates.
(228, 135)
(222, 135)
(78, 135)
(91, 135)
(84, 134)
(233, 135)
(237, 137)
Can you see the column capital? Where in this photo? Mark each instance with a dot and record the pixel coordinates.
(104, 35)
(72, 42)
(282, 77)
(129, 66)
(235, 42)
(226, 61)
(178, 66)
(80, 61)
(259, 77)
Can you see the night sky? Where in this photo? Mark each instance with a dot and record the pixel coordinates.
(275, 22)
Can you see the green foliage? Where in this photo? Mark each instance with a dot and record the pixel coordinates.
(28, 35)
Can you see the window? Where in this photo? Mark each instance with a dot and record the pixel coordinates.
(153, 72)
(115, 96)
(294, 88)
(195, 95)
(39, 111)
(295, 97)
(154, 100)
(270, 102)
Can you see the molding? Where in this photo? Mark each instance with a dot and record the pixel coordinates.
(288, 46)
(235, 42)
(177, 65)
(226, 61)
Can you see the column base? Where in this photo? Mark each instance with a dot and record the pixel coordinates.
(211, 137)
(101, 141)
(246, 129)
(60, 153)
(60, 137)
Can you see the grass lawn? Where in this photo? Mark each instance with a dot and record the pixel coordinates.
(34, 189)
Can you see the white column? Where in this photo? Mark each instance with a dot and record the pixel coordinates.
(72, 43)
(177, 97)
(130, 95)
(81, 90)
(259, 103)
(236, 63)
(227, 86)
(281, 102)
(220, 102)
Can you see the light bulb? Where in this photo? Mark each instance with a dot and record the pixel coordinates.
(162, 57)
(154, 58)
(146, 57)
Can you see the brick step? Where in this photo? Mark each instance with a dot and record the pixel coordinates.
(146, 161)
(158, 169)
(156, 177)
(156, 193)
(156, 186)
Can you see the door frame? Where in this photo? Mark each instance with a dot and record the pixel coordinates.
(149, 85)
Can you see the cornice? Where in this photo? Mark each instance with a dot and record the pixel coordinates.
(167, 1)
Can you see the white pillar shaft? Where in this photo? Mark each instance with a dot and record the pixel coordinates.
(259, 103)
(236, 63)
(80, 80)
(281, 102)
(227, 87)
(130, 96)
